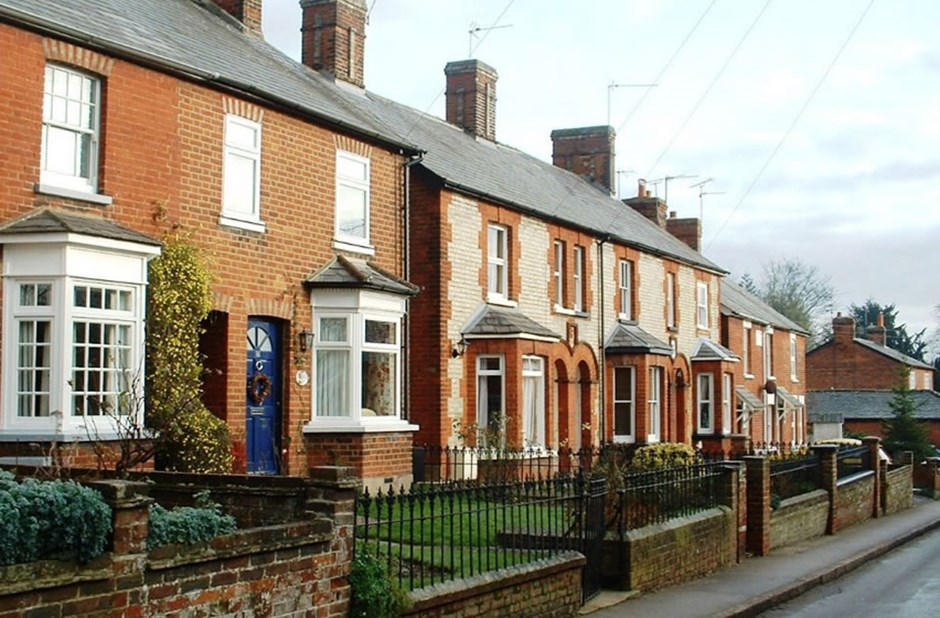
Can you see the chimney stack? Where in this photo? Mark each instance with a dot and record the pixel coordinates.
(334, 35)
(248, 12)
(843, 329)
(471, 97)
(688, 230)
(588, 152)
(878, 333)
(649, 206)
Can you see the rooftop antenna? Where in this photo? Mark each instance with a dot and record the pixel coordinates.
(614, 85)
(475, 29)
(665, 180)
(701, 194)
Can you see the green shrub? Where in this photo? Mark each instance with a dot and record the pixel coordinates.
(663, 455)
(188, 525)
(374, 593)
(41, 520)
(197, 441)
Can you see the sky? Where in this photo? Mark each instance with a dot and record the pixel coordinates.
(816, 121)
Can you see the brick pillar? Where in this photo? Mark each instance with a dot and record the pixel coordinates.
(933, 477)
(731, 495)
(129, 504)
(331, 493)
(874, 452)
(758, 504)
(828, 480)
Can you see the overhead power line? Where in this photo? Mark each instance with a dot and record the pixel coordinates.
(799, 114)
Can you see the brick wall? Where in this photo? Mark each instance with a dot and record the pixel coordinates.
(680, 550)
(898, 490)
(279, 570)
(161, 161)
(854, 502)
(549, 588)
(848, 365)
(799, 518)
(378, 460)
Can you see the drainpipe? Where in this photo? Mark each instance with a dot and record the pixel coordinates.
(602, 373)
(406, 268)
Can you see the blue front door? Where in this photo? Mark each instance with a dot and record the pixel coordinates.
(263, 397)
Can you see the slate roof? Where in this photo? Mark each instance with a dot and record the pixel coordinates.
(195, 38)
(706, 350)
(629, 338)
(868, 404)
(892, 353)
(738, 302)
(346, 272)
(509, 176)
(52, 221)
(492, 320)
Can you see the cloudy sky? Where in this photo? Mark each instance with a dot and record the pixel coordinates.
(819, 121)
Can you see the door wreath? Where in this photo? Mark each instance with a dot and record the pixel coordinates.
(259, 388)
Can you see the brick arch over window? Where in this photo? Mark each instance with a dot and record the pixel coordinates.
(66, 53)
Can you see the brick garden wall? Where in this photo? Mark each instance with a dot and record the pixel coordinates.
(549, 588)
(854, 501)
(899, 490)
(799, 518)
(680, 550)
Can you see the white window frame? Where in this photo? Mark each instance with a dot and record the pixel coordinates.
(361, 185)
(70, 261)
(705, 403)
(654, 403)
(769, 353)
(533, 422)
(483, 420)
(236, 212)
(670, 300)
(794, 376)
(558, 273)
(701, 304)
(746, 352)
(84, 104)
(578, 278)
(626, 289)
(727, 396)
(357, 307)
(630, 403)
(497, 262)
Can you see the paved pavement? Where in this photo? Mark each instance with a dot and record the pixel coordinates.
(757, 584)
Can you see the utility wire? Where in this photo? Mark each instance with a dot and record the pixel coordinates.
(472, 50)
(708, 89)
(809, 99)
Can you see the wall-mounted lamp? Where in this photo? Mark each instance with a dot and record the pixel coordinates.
(304, 340)
(460, 348)
(771, 387)
(680, 377)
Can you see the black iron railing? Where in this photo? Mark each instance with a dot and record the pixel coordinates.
(794, 476)
(646, 498)
(852, 460)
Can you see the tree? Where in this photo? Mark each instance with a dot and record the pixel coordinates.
(797, 290)
(904, 432)
(898, 338)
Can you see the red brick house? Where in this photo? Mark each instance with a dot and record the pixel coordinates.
(551, 313)
(122, 118)
(771, 378)
(850, 378)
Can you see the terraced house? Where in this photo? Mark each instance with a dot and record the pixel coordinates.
(122, 119)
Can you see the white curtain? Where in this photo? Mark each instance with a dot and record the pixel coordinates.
(332, 383)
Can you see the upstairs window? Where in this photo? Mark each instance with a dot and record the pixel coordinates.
(670, 300)
(793, 358)
(558, 273)
(769, 354)
(70, 129)
(746, 351)
(626, 289)
(497, 262)
(578, 280)
(352, 198)
(241, 171)
(701, 305)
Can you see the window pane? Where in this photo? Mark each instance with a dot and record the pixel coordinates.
(332, 383)
(237, 134)
(491, 363)
(352, 169)
(61, 151)
(241, 177)
(351, 211)
(33, 368)
(378, 383)
(380, 332)
(333, 330)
